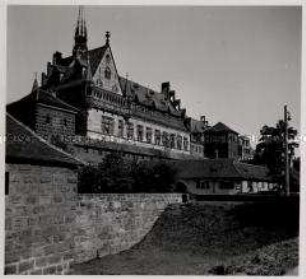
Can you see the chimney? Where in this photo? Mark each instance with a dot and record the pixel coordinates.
(165, 88)
(203, 119)
(57, 56)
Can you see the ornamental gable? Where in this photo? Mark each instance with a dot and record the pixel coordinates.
(106, 75)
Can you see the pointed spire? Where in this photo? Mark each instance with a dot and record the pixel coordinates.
(80, 35)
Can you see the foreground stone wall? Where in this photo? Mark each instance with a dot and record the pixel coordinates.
(48, 225)
(110, 223)
(37, 219)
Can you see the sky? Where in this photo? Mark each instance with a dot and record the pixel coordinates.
(237, 65)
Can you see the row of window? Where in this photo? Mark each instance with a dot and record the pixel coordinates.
(144, 134)
(224, 185)
(221, 138)
(102, 152)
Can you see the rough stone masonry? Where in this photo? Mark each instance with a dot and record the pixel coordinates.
(48, 225)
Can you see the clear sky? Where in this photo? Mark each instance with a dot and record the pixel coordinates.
(237, 65)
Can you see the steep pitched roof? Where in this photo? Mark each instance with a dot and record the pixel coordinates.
(95, 56)
(43, 97)
(220, 169)
(24, 146)
(50, 100)
(221, 127)
(146, 96)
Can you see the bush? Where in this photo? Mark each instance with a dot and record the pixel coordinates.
(118, 175)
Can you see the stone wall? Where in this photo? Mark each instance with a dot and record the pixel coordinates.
(38, 220)
(50, 121)
(48, 225)
(114, 222)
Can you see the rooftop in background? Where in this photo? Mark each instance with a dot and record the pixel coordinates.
(221, 127)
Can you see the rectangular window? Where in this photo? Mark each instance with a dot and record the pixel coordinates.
(139, 133)
(165, 139)
(179, 142)
(130, 131)
(107, 125)
(157, 137)
(204, 185)
(172, 141)
(185, 143)
(149, 134)
(7, 182)
(120, 128)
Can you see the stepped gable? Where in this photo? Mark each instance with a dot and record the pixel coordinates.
(24, 146)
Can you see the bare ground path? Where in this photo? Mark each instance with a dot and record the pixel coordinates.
(214, 238)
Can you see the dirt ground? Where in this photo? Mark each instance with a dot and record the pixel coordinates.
(210, 239)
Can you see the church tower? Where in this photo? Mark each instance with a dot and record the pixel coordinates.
(80, 36)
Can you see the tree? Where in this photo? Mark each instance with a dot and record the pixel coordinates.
(270, 150)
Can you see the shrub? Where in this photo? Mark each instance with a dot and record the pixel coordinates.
(118, 175)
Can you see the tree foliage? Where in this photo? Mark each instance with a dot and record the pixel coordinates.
(118, 175)
(270, 150)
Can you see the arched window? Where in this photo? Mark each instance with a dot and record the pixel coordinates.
(107, 73)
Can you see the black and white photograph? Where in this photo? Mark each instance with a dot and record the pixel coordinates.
(152, 139)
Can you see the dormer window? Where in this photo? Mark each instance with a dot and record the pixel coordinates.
(107, 73)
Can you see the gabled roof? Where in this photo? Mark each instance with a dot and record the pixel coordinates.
(221, 127)
(220, 169)
(24, 146)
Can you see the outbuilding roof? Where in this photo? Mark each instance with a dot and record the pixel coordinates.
(220, 169)
(24, 146)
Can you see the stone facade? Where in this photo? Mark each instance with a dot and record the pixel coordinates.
(52, 121)
(135, 131)
(48, 225)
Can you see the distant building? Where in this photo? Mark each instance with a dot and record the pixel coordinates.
(223, 177)
(221, 142)
(245, 150)
(197, 130)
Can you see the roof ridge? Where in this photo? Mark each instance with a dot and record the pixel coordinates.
(44, 141)
(60, 100)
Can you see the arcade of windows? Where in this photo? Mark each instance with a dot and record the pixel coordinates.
(143, 134)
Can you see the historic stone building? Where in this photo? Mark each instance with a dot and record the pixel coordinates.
(85, 95)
